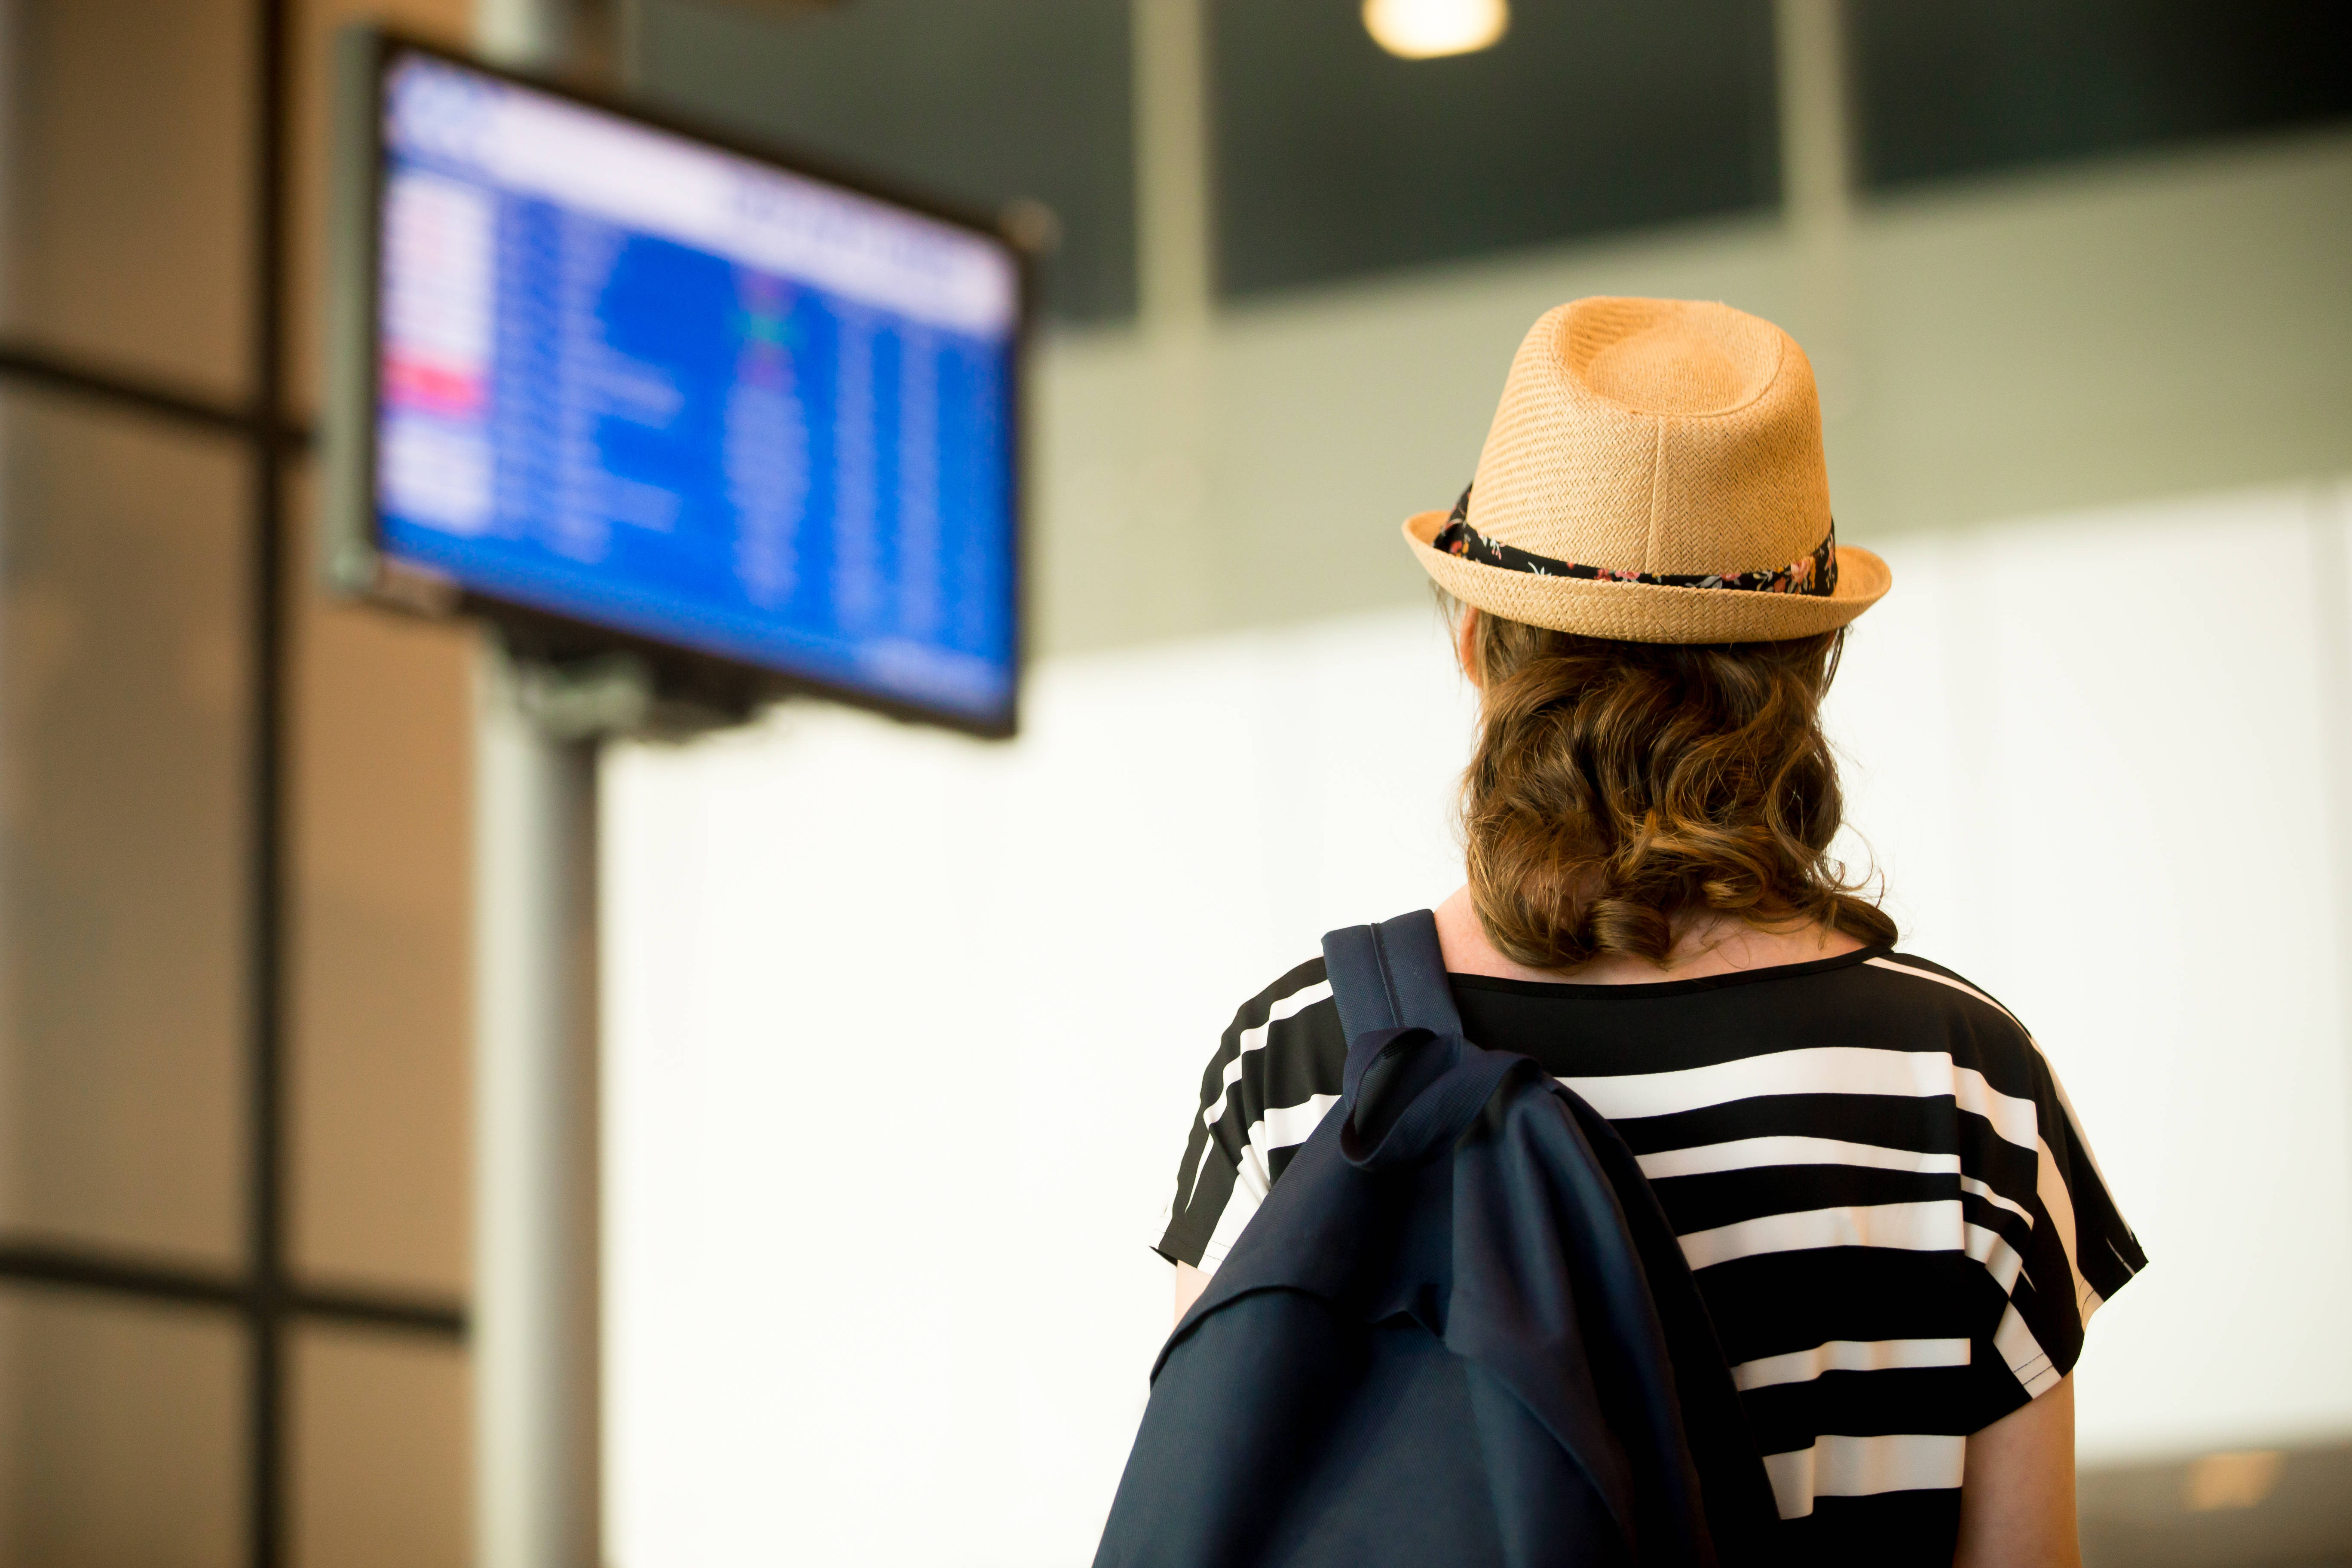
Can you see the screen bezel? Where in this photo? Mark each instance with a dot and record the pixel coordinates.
(356, 561)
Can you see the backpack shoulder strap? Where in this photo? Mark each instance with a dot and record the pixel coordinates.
(1390, 976)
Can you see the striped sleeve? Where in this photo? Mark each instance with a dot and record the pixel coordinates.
(1277, 1070)
(2039, 1219)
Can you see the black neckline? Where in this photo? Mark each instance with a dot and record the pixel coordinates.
(1586, 991)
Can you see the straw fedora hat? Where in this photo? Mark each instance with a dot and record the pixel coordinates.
(1654, 474)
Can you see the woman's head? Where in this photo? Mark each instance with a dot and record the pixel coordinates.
(1654, 472)
(1623, 791)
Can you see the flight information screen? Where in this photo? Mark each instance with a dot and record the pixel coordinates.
(641, 381)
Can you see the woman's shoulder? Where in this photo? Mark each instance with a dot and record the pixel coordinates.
(1276, 1072)
(1290, 1028)
(1297, 991)
(1880, 997)
(1931, 1006)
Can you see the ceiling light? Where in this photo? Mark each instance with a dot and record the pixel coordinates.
(1425, 29)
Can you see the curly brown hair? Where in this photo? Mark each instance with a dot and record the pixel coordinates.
(1622, 788)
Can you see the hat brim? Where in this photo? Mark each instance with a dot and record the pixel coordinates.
(1650, 612)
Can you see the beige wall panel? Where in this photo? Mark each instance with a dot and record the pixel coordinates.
(382, 1452)
(123, 831)
(126, 222)
(121, 1434)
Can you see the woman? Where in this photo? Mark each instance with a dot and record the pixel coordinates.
(1883, 1195)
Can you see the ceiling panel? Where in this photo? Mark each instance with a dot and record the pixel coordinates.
(1943, 91)
(986, 101)
(1336, 158)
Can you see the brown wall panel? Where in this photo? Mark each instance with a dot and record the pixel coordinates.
(122, 842)
(382, 718)
(382, 1452)
(120, 1433)
(382, 1046)
(126, 171)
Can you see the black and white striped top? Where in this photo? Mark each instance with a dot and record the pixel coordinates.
(1884, 1195)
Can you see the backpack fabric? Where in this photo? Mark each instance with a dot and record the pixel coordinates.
(1459, 1331)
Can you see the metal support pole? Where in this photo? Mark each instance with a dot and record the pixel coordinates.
(537, 1354)
(1817, 172)
(536, 1279)
(1175, 268)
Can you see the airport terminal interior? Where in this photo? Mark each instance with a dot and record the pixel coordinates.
(869, 1017)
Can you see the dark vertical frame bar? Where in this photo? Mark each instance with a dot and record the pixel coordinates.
(266, 1062)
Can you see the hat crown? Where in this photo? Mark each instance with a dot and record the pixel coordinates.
(1658, 435)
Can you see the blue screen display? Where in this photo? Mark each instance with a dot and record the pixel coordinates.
(642, 383)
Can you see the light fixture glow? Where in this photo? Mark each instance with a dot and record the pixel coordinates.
(1427, 29)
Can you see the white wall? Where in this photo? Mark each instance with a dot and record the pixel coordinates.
(904, 1030)
(904, 1035)
(2102, 760)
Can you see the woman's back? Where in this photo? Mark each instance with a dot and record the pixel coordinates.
(1887, 1204)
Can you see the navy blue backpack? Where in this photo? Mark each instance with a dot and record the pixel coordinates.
(1459, 1331)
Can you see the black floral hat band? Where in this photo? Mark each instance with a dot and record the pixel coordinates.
(1815, 576)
